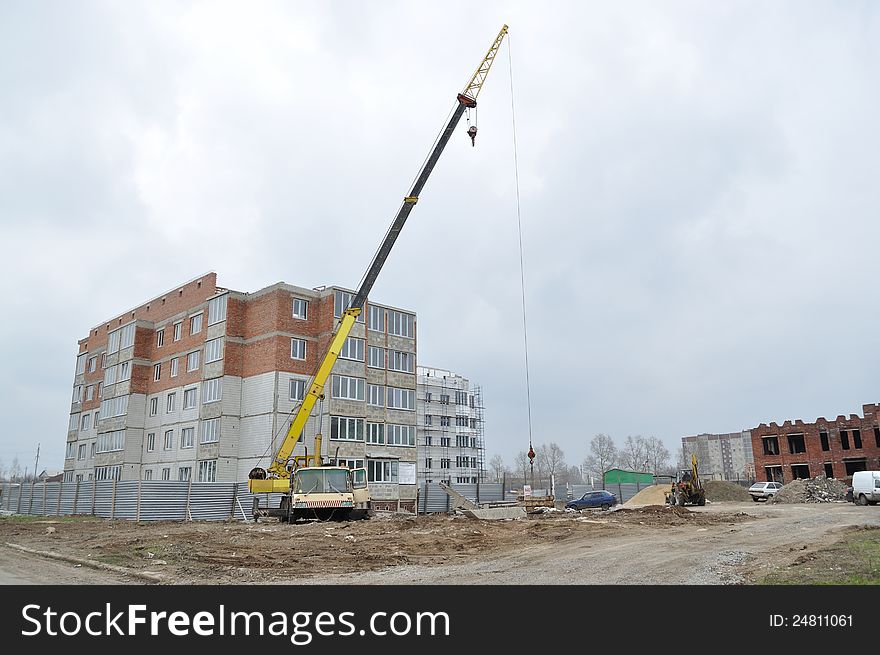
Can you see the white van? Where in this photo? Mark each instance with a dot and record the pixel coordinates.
(866, 487)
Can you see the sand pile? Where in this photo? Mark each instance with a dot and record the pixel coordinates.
(653, 495)
(721, 490)
(815, 490)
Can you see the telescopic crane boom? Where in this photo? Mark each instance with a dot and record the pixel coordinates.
(277, 477)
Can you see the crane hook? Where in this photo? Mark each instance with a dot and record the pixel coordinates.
(472, 133)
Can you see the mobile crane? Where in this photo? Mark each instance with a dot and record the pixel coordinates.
(308, 487)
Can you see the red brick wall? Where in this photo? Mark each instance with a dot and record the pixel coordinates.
(815, 457)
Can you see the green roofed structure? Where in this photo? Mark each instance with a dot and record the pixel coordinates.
(622, 476)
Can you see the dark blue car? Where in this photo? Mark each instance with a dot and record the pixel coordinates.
(603, 499)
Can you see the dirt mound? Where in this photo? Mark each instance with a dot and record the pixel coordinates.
(720, 490)
(653, 495)
(814, 490)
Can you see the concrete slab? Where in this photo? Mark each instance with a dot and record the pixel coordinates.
(496, 513)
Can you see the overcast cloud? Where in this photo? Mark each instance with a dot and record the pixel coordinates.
(699, 195)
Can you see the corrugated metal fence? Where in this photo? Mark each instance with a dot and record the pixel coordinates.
(147, 500)
(433, 499)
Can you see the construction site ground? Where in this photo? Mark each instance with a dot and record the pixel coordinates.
(721, 543)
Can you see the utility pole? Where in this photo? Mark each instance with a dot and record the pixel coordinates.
(36, 462)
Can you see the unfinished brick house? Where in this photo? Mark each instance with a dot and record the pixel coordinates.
(200, 384)
(837, 448)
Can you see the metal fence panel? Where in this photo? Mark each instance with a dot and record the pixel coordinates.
(245, 499)
(53, 492)
(68, 494)
(126, 503)
(24, 504)
(163, 500)
(211, 501)
(37, 491)
(85, 497)
(104, 498)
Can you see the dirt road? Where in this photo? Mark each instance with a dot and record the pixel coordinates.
(22, 568)
(721, 543)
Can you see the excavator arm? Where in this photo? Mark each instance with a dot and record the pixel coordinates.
(277, 478)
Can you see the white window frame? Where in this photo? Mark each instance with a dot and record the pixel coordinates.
(168, 440)
(166, 473)
(300, 309)
(353, 349)
(376, 357)
(212, 391)
(382, 471)
(217, 309)
(160, 338)
(400, 360)
(376, 395)
(397, 434)
(170, 402)
(213, 350)
(296, 390)
(298, 348)
(376, 433)
(341, 301)
(402, 399)
(187, 437)
(347, 426)
(208, 470)
(177, 329)
(184, 473)
(210, 432)
(401, 324)
(193, 360)
(193, 394)
(174, 365)
(151, 442)
(157, 372)
(195, 323)
(344, 387)
(376, 315)
(154, 405)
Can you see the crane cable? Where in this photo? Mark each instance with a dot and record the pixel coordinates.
(519, 230)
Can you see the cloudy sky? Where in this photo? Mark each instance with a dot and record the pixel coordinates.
(698, 180)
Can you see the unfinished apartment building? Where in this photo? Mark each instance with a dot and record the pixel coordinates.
(201, 384)
(836, 448)
(722, 456)
(451, 447)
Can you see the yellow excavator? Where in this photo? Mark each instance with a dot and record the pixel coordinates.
(309, 488)
(687, 488)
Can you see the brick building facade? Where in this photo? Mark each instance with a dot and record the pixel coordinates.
(201, 383)
(837, 448)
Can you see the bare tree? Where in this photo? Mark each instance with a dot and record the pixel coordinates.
(521, 464)
(633, 454)
(14, 469)
(573, 475)
(553, 458)
(497, 468)
(603, 456)
(657, 455)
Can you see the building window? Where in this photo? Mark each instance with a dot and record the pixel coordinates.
(124, 371)
(100, 389)
(796, 444)
(192, 360)
(151, 442)
(400, 324)
(126, 336)
(401, 361)
(157, 373)
(71, 451)
(213, 350)
(109, 376)
(81, 452)
(444, 462)
(160, 338)
(90, 392)
(208, 471)
(350, 463)
(170, 401)
(186, 437)
(844, 439)
(212, 390)
(445, 442)
(376, 357)
(376, 433)
(444, 399)
(345, 428)
(177, 330)
(857, 439)
(107, 472)
(353, 348)
(195, 324)
(428, 463)
(461, 441)
(461, 398)
(93, 363)
(300, 308)
(877, 436)
(823, 439)
(169, 440)
(444, 421)
(297, 389)
(427, 396)
(428, 419)
(376, 395)
(800, 471)
(217, 309)
(184, 473)
(175, 363)
(211, 430)
(401, 398)
(429, 440)
(771, 446)
(382, 470)
(154, 406)
(77, 393)
(401, 435)
(297, 348)
(341, 302)
(113, 407)
(166, 473)
(376, 318)
(461, 422)
(829, 470)
(148, 474)
(86, 422)
(347, 388)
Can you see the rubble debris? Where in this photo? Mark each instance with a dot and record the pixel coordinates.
(811, 490)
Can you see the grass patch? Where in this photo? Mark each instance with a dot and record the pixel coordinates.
(118, 559)
(854, 560)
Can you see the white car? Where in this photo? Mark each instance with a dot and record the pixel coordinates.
(866, 487)
(764, 490)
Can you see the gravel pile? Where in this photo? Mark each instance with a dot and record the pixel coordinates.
(722, 490)
(815, 490)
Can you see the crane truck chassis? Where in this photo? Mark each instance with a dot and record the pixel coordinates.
(308, 488)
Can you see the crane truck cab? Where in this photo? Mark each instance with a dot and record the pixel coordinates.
(320, 492)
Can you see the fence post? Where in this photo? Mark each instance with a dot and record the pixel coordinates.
(31, 499)
(188, 495)
(113, 501)
(620, 492)
(234, 500)
(137, 515)
(478, 493)
(60, 492)
(45, 509)
(427, 487)
(94, 493)
(20, 489)
(75, 496)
